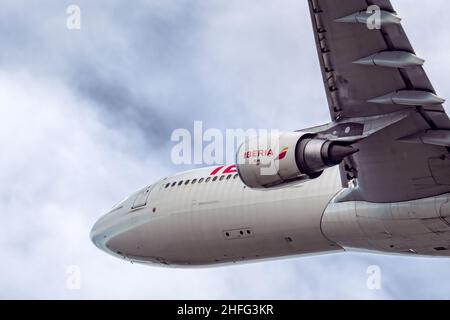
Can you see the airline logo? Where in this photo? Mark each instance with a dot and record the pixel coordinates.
(265, 153)
(224, 170)
(249, 154)
(282, 154)
(258, 153)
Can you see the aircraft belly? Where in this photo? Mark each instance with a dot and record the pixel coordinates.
(259, 230)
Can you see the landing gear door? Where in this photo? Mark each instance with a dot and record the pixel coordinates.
(142, 198)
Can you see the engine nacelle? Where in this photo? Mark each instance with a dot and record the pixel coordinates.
(275, 159)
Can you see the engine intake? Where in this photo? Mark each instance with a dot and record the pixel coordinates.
(275, 159)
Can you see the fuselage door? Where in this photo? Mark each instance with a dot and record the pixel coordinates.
(142, 198)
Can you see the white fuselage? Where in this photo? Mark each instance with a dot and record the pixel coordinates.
(181, 221)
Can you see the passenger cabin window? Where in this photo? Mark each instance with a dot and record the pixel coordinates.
(194, 181)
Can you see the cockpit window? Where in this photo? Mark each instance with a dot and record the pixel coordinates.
(119, 204)
(187, 182)
(180, 183)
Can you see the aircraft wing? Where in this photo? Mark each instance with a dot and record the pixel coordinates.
(372, 74)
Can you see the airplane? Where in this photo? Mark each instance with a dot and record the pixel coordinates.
(375, 179)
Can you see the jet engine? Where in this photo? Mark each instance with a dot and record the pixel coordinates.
(275, 159)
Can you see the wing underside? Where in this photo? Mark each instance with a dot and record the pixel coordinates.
(370, 71)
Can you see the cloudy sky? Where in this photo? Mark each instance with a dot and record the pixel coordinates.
(87, 117)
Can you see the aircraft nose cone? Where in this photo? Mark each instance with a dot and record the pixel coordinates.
(117, 232)
(96, 232)
(105, 227)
